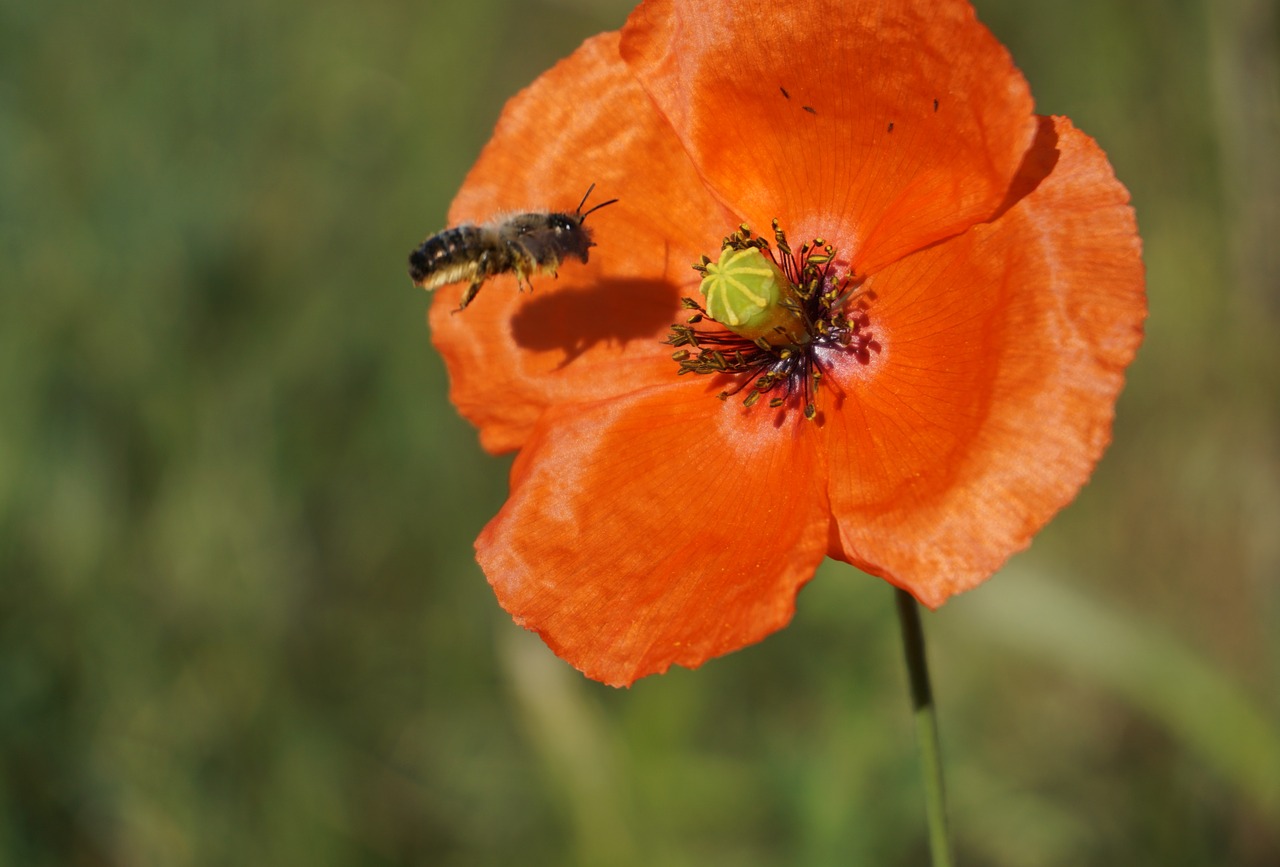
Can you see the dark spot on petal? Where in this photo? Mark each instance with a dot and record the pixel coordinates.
(810, 109)
(890, 126)
(784, 92)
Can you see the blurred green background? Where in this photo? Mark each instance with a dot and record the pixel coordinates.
(240, 622)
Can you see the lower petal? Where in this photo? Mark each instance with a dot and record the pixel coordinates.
(664, 527)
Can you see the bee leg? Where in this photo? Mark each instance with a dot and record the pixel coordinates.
(482, 274)
(470, 294)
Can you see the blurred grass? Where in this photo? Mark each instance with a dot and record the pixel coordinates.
(239, 617)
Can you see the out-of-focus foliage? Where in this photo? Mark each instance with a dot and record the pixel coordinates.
(239, 617)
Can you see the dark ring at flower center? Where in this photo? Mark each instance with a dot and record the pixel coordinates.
(811, 311)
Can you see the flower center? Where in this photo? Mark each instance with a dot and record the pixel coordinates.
(772, 317)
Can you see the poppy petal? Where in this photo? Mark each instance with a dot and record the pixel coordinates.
(596, 329)
(661, 528)
(883, 128)
(1002, 354)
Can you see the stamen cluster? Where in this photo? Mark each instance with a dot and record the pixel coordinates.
(831, 308)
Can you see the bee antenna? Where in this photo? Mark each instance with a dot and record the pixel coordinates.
(598, 207)
(579, 212)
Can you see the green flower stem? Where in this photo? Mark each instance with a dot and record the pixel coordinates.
(926, 727)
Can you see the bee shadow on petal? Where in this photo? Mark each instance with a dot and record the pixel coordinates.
(611, 311)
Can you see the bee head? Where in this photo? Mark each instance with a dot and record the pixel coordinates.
(572, 238)
(568, 227)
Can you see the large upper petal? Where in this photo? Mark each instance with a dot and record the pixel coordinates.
(880, 125)
(662, 527)
(1003, 352)
(596, 330)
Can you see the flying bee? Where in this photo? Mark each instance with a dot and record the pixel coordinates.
(523, 244)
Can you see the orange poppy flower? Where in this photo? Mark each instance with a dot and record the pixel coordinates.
(960, 357)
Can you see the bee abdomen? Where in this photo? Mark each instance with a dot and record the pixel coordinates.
(445, 252)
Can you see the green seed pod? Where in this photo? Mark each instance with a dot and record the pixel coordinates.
(748, 294)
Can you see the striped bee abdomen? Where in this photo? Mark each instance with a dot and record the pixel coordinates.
(455, 254)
